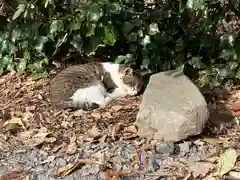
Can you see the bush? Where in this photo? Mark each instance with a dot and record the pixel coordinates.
(156, 36)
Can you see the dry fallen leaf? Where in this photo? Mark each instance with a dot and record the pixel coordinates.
(69, 168)
(213, 141)
(38, 138)
(116, 108)
(72, 147)
(112, 175)
(130, 129)
(115, 129)
(94, 132)
(15, 175)
(66, 125)
(227, 161)
(106, 114)
(13, 124)
(96, 115)
(78, 112)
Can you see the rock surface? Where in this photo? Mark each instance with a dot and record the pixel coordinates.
(172, 108)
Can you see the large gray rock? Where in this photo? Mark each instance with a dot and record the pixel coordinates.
(172, 108)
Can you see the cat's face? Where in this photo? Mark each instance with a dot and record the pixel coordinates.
(132, 81)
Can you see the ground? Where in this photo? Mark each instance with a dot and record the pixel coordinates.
(37, 142)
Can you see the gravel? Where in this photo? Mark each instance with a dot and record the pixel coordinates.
(43, 166)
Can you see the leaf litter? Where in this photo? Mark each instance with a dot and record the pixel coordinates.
(27, 119)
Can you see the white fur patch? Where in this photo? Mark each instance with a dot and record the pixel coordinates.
(93, 94)
(113, 69)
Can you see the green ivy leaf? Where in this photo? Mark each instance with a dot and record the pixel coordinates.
(196, 4)
(4, 46)
(115, 8)
(1, 70)
(36, 67)
(47, 2)
(56, 26)
(120, 59)
(223, 72)
(132, 37)
(91, 44)
(238, 74)
(10, 67)
(232, 65)
(26, 55)
(153, 29)
(237, 47)
(88, 29)
(227, 54)
(145, 63)
(77, 41)
(205, 42)
(128, 58)
(94, 14)
(6, 60)
(180, 68)
(133, 48)
(20, 9)
(195, 62)
(127, 27)
(179, 45)
(109, 35)
(40, 43)
(74, 25)
(21, 67)
(16, 34)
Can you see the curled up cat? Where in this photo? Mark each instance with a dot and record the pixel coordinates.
(91, 85)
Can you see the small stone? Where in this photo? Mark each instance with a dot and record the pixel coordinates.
(42, 177)
(61, 162)
(51, 171)
(77, 175)
(27, 168)
(68, 178)
(44, 153)
(39, 169)
(52, 164)
(198, 142)
(185, 147)
(21, 151)
(3, 170)
(49, 159)
(33, 155)
(152, 165)
(165, 147)
(34, 177)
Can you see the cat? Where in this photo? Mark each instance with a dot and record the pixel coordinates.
(92, 85)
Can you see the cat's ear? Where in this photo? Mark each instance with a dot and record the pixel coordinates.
(128, 71)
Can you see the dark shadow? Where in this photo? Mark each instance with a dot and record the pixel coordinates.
(220, 114)
(174, 73)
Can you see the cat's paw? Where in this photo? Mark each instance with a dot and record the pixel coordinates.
(104, 102)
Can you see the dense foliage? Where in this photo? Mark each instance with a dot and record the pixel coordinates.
(196, 36)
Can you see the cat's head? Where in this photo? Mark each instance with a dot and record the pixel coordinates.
(132, 81)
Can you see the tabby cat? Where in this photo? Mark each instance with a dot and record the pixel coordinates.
(93, 85)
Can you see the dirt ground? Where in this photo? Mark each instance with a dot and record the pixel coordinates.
(104, 143)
